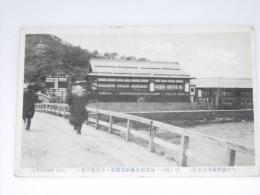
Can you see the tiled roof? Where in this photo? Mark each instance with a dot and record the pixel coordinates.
(223, 82)
(103, 67)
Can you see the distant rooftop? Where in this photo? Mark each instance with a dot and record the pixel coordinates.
(105, 67)
(58, 73)
(223, 82)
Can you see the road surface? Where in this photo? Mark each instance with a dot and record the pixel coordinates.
(52, 143)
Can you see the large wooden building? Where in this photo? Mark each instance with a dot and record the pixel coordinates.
(224, 93)
(127, 80)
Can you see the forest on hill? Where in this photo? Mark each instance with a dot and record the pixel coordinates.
(59, 55)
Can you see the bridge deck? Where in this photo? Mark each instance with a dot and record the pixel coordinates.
(51, 142)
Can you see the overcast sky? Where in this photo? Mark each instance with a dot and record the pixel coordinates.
(200, 54)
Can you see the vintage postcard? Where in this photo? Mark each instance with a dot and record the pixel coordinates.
(137, 101)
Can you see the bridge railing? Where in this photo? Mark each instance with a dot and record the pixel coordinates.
(117, 121)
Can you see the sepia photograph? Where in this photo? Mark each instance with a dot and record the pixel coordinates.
(137, 101)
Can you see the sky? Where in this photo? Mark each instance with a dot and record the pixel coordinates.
(202, 55)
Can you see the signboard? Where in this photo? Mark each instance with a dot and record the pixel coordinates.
(187, 87)
(192, 90)
(151, 87)
(199, 93)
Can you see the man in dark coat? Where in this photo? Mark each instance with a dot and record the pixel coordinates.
(77, 103)
(29, 100)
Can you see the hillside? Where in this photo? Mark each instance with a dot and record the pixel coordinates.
(58, 55)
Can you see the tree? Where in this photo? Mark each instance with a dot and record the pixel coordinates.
(114, 55)
(58, 55)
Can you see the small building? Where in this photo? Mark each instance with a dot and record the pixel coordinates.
(40, 49)
(58, 86)
(128, 80)
(224, 93)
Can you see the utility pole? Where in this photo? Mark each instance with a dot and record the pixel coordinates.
(218, 93)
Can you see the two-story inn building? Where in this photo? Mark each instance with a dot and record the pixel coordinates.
(128, 80)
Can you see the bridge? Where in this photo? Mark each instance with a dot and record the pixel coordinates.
(112, 138)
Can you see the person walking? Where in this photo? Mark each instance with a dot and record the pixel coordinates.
(29, 99)
(77, 103)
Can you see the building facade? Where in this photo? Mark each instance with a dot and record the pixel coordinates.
(224, 93)
(58, 86)
(125, 80)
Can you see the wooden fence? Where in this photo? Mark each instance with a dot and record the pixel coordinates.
(98, 117)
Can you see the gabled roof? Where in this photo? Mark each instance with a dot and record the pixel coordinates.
(223, 82)
(128, 68)
(59, 73)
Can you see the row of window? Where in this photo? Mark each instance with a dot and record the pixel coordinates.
(157, 87)
(228, 93)
(112, 85)
(123, 80)
(135, 80)
(61, 84)
(106, 85)
(168, 81)
(139, 86)
(169, 87)
(246, 93)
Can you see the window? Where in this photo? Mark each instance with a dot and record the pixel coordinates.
(111, 79)
(159, 87)
(62, 84)
(50, 84)
(226, 93)
(246, 94)
(102, 79)
(135, 80)
(120, 80)
(144, 80)
(169, 87)
(174, 87)
(122, 85)
(127, 80)
(106, 85)
(139, 86)
(179, 81)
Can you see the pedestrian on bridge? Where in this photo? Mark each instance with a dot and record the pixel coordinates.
(77, 103)
(29, 99)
